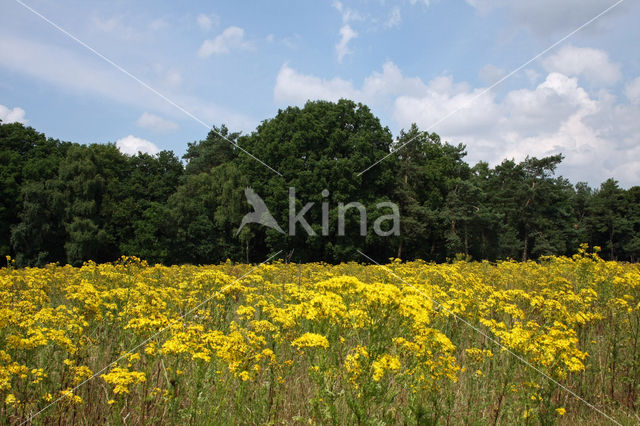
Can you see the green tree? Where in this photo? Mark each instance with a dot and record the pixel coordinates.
(322, 146)
(632, 246)
(535, 206)
(37, 238)
(427, 170)
(608, 220)
(217, 149)
(141, 217)
(16, 144)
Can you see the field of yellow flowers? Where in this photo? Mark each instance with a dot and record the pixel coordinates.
(542, 342)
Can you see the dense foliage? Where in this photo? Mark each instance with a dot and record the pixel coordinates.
(68, 203)
(407, 343)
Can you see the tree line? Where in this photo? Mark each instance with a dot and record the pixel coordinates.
(69, 203)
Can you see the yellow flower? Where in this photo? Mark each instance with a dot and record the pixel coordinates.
(311, 340)
(70, 396)
(385, 363)
(122, 379)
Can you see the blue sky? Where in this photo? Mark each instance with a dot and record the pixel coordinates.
(410, 61)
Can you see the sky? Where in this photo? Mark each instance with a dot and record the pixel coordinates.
(155, 75)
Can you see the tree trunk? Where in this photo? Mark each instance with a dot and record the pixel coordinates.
(525, 252)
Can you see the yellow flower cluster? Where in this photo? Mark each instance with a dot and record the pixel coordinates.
(311, 340)
(122, 379)
(338, 342)
(385, 363)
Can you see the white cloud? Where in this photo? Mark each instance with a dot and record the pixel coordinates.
(14, 115)
(154, 122)
(395, 18)
(75, 72)
(293, 87)
(545, 17)
(593, 64)
(633, 91)
(206, 22)
(346, 32)
(348, 14)
(390, 82)
(466, 109)
(547, 106)
(68, 69)
(131, 145)
(231, 38)
(598, 136)
(346, 35)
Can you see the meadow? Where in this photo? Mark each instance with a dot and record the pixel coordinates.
(552, 341)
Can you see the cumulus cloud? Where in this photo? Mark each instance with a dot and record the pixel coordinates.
(597, 134)
(593, 64)
(13, 115)
(346, 35)
(131, 145)
(633, 91)
(558, 116)
(154, 122)
(465, 109)
(294, 87)
(232, 38)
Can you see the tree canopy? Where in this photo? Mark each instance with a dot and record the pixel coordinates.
(69, 203)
